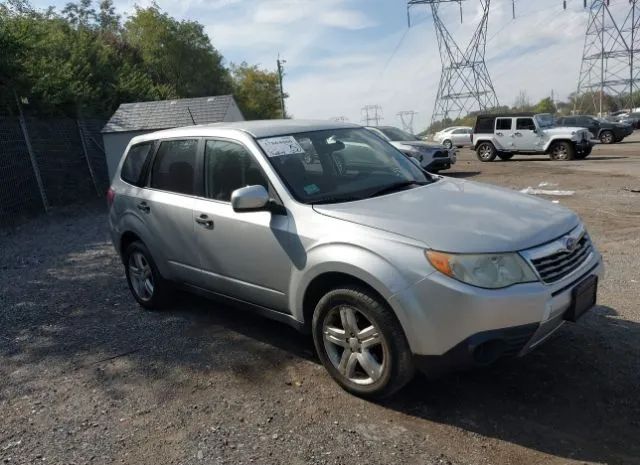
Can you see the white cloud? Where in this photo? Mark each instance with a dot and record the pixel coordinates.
(346, 19)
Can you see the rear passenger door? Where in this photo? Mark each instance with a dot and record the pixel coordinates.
(503, 133)
(167, 206)
(242, 255)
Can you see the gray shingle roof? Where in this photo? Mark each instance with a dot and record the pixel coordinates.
(166, 114)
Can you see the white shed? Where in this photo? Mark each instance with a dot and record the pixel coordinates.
(133, 119)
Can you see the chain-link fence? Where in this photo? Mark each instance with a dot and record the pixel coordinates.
(47, 163)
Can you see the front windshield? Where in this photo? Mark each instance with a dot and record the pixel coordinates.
(397, 135)
(545, 120)
(339, 165)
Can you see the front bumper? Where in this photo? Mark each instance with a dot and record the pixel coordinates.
(442, 163)
(452, 325)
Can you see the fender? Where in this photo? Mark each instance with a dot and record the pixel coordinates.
(130, 222)
(553, 139)
(349, 259)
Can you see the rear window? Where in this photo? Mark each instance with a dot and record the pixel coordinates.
(134, 163)
(484, 124)
(174, 166)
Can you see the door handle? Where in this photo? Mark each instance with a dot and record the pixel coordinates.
(205, 221)
(499, 134)
(518, 133)
(142, 206)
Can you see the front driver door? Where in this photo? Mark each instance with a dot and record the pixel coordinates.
(242, 255)
(525, 135)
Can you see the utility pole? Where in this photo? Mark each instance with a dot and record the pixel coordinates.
(371, 115)
(280, 76)
(406, 118)
(465, 84)
(608, 59)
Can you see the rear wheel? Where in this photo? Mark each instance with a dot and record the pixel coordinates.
(561, 151)
(486, 151)
(607, 137)
(146, 283)
(584, 154)
(447, 143)
(505, 156)
(361, 343)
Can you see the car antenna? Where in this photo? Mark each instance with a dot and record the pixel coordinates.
(191, 115)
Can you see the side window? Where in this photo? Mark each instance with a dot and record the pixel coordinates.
(459, 131)
(134, 163)
(525, 124)
(503, 124)
(569, 121)
(229, 166)
(174, 166)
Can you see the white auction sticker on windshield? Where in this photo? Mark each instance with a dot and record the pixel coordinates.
(279, 146)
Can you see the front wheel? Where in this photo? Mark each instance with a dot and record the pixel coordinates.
(447, 144)
(607, 137)
(361, 343)
(561, 151)
(486, 152)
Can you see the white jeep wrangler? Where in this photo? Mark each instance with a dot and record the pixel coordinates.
(506, 135)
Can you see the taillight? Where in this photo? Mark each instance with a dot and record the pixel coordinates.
(111, 195)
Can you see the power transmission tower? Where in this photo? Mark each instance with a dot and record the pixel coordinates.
(371, 115)
(406, 118)
(609, 65)
(465, 84)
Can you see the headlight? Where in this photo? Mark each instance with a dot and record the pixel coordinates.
(491, 271)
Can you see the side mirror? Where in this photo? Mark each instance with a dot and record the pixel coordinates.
(250, 198)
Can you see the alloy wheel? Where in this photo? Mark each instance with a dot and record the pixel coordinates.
(141, 276)
(485, 152)
(354, 345)
(560, 152)
(447, 144)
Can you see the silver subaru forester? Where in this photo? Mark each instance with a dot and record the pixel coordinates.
(332, 230)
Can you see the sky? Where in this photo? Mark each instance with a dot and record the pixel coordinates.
(344, 54)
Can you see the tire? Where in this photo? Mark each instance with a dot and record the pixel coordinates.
(584, 154)
(505, 156)
(562, 151)
(374, 336)
(486, 152)
(607, 137)
(447, 143)
(146, 283)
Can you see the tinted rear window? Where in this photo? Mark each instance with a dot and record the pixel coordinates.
(174, 166)
(134, 163)
(484, 125)
(503, 124)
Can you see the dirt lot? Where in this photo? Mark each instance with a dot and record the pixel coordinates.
(86, 376)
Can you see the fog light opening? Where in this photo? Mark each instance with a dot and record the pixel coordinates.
(488, 352)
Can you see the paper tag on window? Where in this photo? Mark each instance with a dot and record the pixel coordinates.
(279, 146)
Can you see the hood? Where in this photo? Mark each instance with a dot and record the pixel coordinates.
(418, 143)
(461, 216)
(564, 129)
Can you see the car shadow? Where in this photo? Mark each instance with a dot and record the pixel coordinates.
(460, 174)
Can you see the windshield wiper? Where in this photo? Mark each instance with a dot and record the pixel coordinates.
(334, 199)
(396, 187)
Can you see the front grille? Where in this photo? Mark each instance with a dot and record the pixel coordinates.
(556, 266)
(440, 154)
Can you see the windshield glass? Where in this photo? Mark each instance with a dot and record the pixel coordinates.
(339, 165)
(545, 120)
(397, 135)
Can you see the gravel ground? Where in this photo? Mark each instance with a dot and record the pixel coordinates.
(86, 376)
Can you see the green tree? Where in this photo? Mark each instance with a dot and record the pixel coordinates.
(177, 55)
(257, 92)
(545, 105)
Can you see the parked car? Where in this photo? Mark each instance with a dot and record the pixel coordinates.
(388, 267)
(607, 132)
(458, 136)
(632, 119)
(504, 135)
(432, 157)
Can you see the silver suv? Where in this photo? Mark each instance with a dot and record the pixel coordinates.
(389, 267)
(509, 134)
